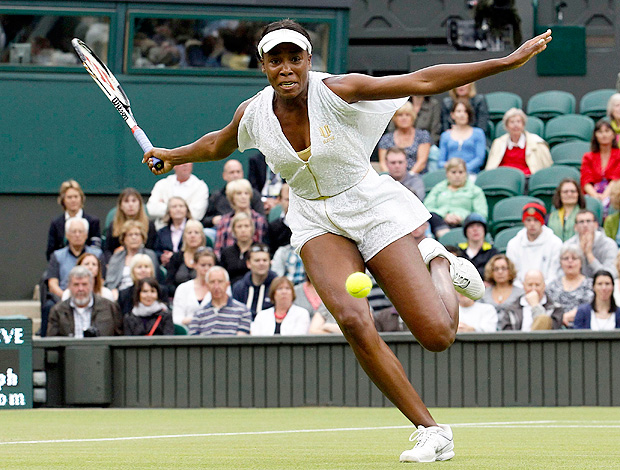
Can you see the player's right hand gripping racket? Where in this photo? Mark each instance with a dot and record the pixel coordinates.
(112, 89)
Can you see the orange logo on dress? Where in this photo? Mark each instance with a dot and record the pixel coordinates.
(326, 133)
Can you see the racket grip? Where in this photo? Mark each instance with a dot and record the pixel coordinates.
(146, 145)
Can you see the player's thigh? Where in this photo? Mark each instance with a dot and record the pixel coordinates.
(400, 271)
(329, 259)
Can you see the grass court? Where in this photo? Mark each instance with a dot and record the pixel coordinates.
(303, 438)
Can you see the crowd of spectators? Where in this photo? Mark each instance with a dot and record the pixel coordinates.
(221, 262)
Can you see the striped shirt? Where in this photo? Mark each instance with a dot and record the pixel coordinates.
(230, 319)
(224, 236)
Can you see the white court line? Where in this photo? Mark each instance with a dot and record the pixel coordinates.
(514, 424)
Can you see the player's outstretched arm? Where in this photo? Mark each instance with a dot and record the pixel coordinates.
(213, 146)
(435, 79)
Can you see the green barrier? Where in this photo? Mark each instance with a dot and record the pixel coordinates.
(15, 363)
(566, 54)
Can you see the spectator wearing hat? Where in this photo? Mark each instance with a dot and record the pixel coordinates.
(599, 250)
(476, 249)
(535, 246)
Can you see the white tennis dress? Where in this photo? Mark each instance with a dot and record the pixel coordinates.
(336, 190)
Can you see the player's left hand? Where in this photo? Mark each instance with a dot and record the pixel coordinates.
(163, 155)
(529, 49)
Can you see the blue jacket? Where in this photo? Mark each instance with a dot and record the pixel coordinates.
(250, 295)
(63, 260)
(584, 315)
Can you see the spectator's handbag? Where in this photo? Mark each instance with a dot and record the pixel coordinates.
(155, 325)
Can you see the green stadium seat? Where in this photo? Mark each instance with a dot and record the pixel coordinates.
(533, 125)
(432, 178)
(595, 206)
(453, 237)
(501, 101)
(502, 238)
(509, 211)
(456, 236)
(490, 129)
(543, 183)
(594, 103)
(274, 213)
(548, 104)
(569, 127)
(180, 330)
(500, 183)
(570, 153)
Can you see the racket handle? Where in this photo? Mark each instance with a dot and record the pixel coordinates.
(146, 145)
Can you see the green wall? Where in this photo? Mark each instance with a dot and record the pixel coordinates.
(62, 126)
(553, 368)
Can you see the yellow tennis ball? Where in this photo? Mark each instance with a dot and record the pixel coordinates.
(358, 285)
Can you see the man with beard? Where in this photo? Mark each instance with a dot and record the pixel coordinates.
(84, 314)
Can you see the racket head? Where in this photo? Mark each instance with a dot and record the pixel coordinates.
(100, 72)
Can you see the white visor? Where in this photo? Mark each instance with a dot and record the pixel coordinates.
(279, 36)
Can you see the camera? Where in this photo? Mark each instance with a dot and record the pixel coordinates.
(91, 332)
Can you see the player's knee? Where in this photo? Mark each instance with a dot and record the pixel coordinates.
(439, 342)
(355, 322)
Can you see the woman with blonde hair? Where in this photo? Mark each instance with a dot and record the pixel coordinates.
(71, 198)
(518, 148)
(233, 258)
(239, 195)
(141, 266)
(90, 261)
(456, 197)
(416, 143)
(129, 206)
(168, 240)
(181, 266)
(613, 114)
(132, 238)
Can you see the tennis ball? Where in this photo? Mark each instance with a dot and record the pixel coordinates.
(358, 285)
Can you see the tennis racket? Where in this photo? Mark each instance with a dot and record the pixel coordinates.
(112, 89)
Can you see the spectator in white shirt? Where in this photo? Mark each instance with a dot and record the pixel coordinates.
(182, 184)
(476, 317)
(535, 311)
(535, 246)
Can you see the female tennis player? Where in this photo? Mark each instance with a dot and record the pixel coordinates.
(318, 131)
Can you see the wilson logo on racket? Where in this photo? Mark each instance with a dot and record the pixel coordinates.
(120, 108)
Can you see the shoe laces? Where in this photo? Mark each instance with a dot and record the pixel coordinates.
(460, 280)
(421, 435)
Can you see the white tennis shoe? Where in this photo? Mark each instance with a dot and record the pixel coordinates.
(432, 443)
(465, 276)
